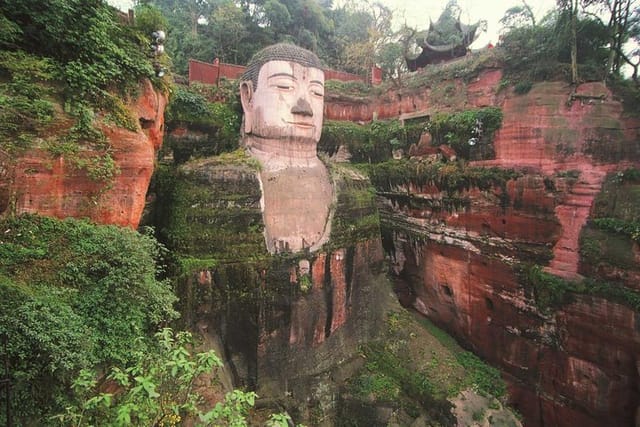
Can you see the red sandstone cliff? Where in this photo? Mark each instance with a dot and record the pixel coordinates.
(53, 186)
(577, 365)
(552, 130)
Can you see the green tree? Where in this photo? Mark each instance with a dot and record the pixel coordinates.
(518, 16)
(186, 24)
(74, 295)
(445, 30)
(360, 54)
(149, 18)
(570, 9)
(227, 29)
(277, 17)
(351, 26)
(536, 52)
(158, 388)
(623, 24)
(390, 58)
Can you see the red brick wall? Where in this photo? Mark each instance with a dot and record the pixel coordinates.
(342, 76)
(204, 72)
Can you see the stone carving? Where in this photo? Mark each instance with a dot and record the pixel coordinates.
(282, 94)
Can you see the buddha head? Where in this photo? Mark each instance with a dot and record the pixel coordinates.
(282, 94)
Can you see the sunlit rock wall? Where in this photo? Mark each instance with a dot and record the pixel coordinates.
(54, 186)
(574, 363)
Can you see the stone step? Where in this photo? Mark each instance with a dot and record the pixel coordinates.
(559, 267)
(565, 257)
(577, 200)
(583, 189)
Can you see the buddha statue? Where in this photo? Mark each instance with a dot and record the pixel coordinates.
(282, 94)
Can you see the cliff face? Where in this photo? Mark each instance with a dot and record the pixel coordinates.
(425, 100)
(286, 321)
(574, 363)
(52, 185)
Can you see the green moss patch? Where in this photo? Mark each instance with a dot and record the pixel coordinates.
(451, 178)
(551, 292)
(356, 216)
(417, 367)
(371, 143)
(458, 129)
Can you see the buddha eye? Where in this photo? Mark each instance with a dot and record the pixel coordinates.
(282, 83)
(316, 90)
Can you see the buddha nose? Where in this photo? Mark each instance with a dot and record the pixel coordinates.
(302, 107)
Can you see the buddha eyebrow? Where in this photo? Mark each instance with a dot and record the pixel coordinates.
(282, 75)
(317, 81)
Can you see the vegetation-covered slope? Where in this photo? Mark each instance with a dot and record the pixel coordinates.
(74, 295)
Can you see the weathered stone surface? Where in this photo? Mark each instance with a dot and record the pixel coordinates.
(296, 205)
(54, 187)
(579, 363)
(550, 131)
(284, 328)
(450, 95)
(575, 365)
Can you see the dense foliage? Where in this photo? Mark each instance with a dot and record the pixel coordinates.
(217, 123)
(157, 389)
(26, 107)
(577, 41)
(74, 295)
(371, 143)
(65, 67)
(536, 53)
(399, 373)
(449, 177)
(90, 50)
(469, 133)
(353, 36)
(346, 36)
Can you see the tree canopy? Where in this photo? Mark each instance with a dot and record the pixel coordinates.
(346, 37)
(597, 38)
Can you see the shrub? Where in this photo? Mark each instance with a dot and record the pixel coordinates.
(631, 229)
(25, 110)
(371, 143)
(74, 295)
(523, 87)
(549, 291)
(218, 121)
(458, 129)
(156, 389)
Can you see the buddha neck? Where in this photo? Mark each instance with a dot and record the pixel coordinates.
(275, 154)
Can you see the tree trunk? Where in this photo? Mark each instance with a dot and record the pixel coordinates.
(574, 41)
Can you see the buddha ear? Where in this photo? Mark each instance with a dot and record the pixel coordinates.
(246, 98)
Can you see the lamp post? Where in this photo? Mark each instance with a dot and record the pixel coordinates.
(157, 47)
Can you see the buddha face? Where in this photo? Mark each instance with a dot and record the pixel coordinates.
(287, 103)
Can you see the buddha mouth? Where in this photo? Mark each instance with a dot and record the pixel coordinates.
(305, 125)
